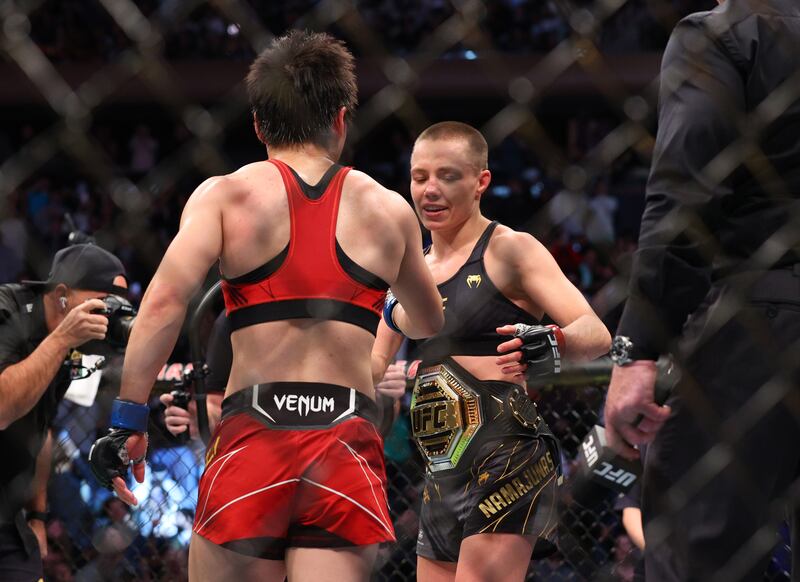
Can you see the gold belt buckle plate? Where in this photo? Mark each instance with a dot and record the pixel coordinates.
(445, 416)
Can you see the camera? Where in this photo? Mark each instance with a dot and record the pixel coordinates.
(121, 314)
(181, 398)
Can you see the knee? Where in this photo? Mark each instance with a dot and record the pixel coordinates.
(489, 567)
(494, 558)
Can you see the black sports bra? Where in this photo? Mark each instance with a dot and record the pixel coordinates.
(473, 309)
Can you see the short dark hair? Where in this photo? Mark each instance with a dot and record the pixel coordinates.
(458, 130)
(298, 85)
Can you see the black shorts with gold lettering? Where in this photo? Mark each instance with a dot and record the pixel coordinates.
(492, 464)
(510, 486)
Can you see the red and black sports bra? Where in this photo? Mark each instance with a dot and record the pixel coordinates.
(312, 277)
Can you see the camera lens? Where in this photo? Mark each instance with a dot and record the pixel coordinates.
(121, 316)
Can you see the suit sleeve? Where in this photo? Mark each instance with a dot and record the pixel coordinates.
(701, 98)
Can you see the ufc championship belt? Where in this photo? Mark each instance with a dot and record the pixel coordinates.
(446, 415)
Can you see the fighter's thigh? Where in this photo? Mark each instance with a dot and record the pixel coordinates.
(209, 562)
(353, 564)
(498, 557)
(429, 570)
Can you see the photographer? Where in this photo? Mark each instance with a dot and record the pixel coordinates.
(40, 325)
(219, 356)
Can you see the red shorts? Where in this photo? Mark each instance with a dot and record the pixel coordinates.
(265, 490)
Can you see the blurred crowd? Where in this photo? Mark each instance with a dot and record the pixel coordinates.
(76, 30)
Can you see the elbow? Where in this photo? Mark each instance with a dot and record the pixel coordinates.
(437, 323)
(429, 327)
(6, 410)
(163, 301)
(6, 419)
(436, 320)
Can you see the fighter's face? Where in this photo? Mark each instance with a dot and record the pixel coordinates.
(446, 185)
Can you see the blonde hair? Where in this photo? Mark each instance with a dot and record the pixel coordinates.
(458, 130)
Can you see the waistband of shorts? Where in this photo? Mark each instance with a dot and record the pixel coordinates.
(301, 405)
(499, 399)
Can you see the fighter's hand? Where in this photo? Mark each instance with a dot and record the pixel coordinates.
(632, 416)
(511, 361)
(81, 325)
(110, 456)
(177, 419)
(535, 348)
(393, 383)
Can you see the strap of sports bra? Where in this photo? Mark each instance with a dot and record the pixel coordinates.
(482, 244)
(480, 247)
(316, 191)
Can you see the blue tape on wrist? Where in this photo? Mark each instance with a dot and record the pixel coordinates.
(388, 308)
(129, 415)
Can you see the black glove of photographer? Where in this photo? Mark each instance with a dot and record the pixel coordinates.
(542, 348)
(109, 456)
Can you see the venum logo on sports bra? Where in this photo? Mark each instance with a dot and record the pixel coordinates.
(473, 281)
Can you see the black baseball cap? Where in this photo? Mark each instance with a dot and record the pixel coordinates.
(85, 267)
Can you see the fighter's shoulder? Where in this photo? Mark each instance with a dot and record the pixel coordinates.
(225, 187)
(512, 246)
(371, 192)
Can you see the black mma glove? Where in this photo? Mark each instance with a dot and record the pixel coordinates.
(109, 457)
(542, 348)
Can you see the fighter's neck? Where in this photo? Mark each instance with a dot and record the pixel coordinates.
(459, 238)
(304, 155)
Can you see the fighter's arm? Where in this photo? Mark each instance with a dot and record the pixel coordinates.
(194, 249)
(419, 313)
(384, 350)
(183, 269)
(538, 278)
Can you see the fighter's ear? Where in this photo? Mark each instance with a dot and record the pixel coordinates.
(257, 128)
(484, 179)
(340, 121)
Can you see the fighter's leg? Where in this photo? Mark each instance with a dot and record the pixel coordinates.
(429, 570)
(496, 557)
(352, 564)
(209, 562)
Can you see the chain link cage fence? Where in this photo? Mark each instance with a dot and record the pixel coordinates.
(115, 110)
